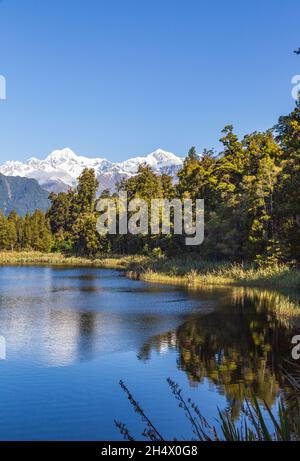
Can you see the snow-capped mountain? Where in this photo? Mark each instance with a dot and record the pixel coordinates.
(60, 170)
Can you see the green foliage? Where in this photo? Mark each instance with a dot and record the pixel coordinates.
(31, 233)
(73, 218)
(145, 184)
(288, 191)
(157, 252)
(85, 197)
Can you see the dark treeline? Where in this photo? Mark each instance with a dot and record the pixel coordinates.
(252, 207)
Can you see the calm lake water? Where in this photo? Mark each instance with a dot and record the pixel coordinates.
(72, 334)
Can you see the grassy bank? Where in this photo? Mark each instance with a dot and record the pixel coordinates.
(12, 258)
(200, 273)
(185, 272)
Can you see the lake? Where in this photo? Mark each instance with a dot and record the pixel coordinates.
(70, 335)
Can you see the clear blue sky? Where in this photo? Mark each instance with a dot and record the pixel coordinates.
(123, 77)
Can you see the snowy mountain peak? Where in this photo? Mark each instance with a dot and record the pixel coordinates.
(161, 156)
(62, 155)
(61, 168)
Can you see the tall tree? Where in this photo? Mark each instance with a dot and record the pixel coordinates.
(257, 200)
(288, 194)
(86, 191)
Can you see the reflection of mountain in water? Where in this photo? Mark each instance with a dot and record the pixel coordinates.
(239, 348)
(63, 337)
(56, 339)
(234, 338)
(58, 317)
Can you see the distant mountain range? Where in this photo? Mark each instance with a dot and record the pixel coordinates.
(22, 195)
(60, 170)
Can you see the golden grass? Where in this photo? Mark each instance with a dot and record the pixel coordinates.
(223, 274)
(56, 259)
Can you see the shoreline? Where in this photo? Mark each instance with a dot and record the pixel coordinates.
(198, 280)
(167, 270)
(281, 283)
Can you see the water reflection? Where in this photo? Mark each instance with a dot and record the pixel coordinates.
(55, 317)
(72, 334)
(237, 338)
(240, 347)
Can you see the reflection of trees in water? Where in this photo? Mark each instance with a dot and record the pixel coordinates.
(272, 303)
(239, 347)
(87, 332)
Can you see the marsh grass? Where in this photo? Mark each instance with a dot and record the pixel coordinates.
(57, 259)
(201, 273)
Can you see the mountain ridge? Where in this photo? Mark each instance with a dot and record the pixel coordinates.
(23, 195)
(61, 168)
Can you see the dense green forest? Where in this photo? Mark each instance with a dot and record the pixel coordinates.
(252, 204)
